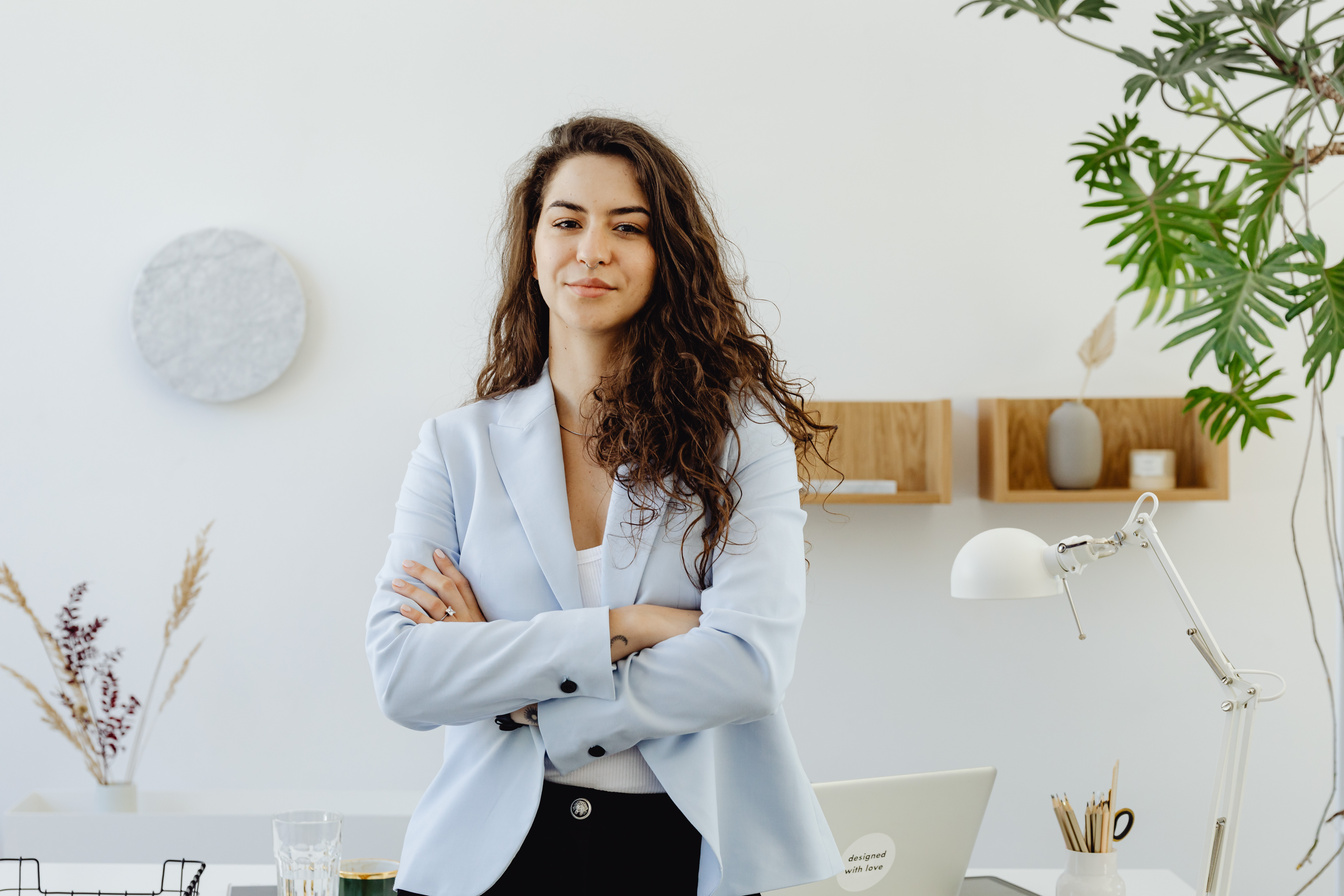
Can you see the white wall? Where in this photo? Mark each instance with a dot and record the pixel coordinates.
(896, 179)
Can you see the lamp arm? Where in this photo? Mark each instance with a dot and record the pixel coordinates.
(1142, 531)
(1242, 700)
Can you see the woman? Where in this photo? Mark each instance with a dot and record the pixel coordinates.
(612, 687)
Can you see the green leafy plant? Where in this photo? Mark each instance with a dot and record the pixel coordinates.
(1218, 238)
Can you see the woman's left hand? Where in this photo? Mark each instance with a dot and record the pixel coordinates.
(452, 600)
(451, 589)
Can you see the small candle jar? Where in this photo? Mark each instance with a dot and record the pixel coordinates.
(1090, 874)
(1152, 468)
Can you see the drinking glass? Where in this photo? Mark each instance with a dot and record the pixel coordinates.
(308, 853)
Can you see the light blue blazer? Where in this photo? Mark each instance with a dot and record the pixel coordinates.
(487, 485)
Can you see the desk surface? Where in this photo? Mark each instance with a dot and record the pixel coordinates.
(227, 826)
(1138, 881)
(217, 878)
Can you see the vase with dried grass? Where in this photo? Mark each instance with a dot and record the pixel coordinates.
(94, 716)
(1073, 440)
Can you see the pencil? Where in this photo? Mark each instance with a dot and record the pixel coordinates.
(1068, 828)
(1110, 819)
(1073, 823)
(1059, 817)
(1069, 837)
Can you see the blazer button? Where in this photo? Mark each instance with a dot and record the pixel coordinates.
(580, 808)
(568, 686)
(596, 751)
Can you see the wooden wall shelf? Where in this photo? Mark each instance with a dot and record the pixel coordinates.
(908, 441)
(1013, 463)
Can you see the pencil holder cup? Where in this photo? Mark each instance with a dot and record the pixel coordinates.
(1090, 874)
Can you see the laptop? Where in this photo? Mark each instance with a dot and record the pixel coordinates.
(907, 834)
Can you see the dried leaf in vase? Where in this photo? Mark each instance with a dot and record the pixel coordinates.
(1098, 347)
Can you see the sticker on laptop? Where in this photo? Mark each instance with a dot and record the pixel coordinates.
(867, 861)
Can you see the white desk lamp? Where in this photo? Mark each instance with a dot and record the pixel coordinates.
(1012, 563)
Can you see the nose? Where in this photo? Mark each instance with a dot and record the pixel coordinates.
(594, 248)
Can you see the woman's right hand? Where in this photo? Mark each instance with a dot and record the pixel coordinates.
(452, 599)
(639, 626)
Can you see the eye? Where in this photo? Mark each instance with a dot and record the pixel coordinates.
(566, 224)
(629, 228)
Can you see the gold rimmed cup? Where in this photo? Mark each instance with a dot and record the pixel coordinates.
(368, 877)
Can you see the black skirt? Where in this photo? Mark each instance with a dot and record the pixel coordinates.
(596, 843)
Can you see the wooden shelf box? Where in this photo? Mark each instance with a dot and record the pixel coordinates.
(906, 441)
(1013, 465)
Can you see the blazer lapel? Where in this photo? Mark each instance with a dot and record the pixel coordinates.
(626, 545)
(525, 443)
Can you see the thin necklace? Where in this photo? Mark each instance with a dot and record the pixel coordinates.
(585, 435)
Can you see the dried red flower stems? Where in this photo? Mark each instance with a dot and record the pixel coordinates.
(100, 716)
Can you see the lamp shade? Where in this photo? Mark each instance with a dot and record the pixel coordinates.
(1004, 563)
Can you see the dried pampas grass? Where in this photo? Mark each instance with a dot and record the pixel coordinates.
(185, 592)
(97, 733)
(54, 720)
(172, 689)
(172, 685)
(71, 687)
(188, 587)
(1097, 347)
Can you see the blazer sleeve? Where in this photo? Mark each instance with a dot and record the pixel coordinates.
(736, 665)
(455, 673)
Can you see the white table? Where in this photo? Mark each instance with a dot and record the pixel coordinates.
(144, 878)
(1138, 881)
(209, 826)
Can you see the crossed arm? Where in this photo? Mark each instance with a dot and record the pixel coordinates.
(450, 599)
(727, 664)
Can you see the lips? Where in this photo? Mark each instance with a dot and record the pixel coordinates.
(590, 287)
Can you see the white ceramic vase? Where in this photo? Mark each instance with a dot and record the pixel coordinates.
(1090, 874)
(1073, 446)
(114, 797)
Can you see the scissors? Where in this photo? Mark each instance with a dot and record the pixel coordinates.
(1128, 815)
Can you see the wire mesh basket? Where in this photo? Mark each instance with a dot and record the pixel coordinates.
(23, 877)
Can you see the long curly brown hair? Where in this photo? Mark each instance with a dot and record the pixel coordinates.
(688, 360)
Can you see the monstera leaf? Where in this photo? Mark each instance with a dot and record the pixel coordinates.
(1267, 179)
(1222, 410)
(1265, 13)
(1323, 296)
(1045, 10)
(1240, 293)
(1213, 60)
(1109, 150)
(1161, 223)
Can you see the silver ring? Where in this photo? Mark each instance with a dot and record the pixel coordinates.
(447, 616)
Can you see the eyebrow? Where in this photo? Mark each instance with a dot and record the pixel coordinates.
(623, 210)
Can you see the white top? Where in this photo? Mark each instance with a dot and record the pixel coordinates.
(623, 772)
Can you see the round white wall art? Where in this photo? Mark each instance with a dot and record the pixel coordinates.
(218, 314)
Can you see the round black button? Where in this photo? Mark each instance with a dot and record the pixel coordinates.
(596, 751)
(568, 686)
